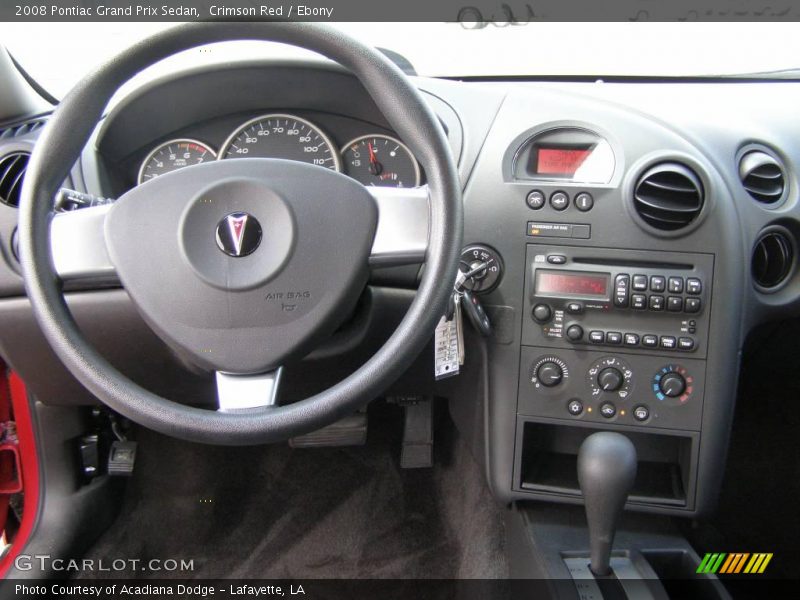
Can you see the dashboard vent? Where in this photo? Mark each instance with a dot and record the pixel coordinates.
(669, 196)
(20, 130)
(12, 172)
(762, 177)
(773, 258)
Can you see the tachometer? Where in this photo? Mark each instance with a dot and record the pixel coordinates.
(381, 160)
(174, 155)
(282, 136)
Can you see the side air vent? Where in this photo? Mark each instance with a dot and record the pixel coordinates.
(762, 177)
(20, 130)
(12, 172)
(773, 257)
(669, 196)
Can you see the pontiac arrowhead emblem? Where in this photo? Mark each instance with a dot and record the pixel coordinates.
(238, 234)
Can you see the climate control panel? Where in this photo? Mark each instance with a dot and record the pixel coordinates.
(614, 388)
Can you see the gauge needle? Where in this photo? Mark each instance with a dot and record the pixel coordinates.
(375, 167)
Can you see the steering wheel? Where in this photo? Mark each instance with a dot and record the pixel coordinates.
(242, 266)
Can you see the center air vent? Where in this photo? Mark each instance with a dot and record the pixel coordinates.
(773, 257)
(12, 172)
(762, 177)
(669, 196)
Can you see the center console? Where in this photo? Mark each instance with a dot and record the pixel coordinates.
(614, 293)
(612, 339)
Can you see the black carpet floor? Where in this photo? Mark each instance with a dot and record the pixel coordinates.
(277, 512)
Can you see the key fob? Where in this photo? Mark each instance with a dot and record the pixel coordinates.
(475, 313)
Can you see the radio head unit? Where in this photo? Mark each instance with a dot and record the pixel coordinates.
(639, 300)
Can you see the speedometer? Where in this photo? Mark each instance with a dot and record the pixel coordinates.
(174, 155)
(282, 136)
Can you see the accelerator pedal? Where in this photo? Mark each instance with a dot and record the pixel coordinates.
(417, 450)
(350, 431)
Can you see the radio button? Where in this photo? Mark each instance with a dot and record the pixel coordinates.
(575, 333)
(694, 286)
(597, 337)
(535, 199)
(650, 340)
(559, 201)
(692, 305)
(639, 301)
(658, 283)
(674, 304)
(614, 338)
(631, 339)
(622, 284)
(675, 285)
(656, 302)
(640, 283)
(574, 308)
(557, 259)
(686, 343)
(542, 313)
(584, 202)
(668, 342)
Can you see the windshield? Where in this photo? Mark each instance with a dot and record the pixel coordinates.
(57, 55)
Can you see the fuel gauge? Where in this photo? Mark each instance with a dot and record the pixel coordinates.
(381, 160)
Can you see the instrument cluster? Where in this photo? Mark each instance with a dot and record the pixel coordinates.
(374, 159)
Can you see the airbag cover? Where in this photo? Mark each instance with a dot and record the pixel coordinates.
(251, 312)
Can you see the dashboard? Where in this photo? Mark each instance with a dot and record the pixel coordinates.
(634, 233)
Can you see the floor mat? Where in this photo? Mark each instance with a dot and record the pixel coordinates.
(277, 512)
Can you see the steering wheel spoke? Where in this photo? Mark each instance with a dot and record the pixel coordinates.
(247, 392)
(78, 244)
(403, 226)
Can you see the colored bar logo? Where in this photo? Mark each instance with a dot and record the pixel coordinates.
(734, 563)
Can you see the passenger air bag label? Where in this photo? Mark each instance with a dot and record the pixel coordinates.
(559, 230)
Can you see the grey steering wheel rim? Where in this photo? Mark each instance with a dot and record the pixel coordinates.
(60, 145)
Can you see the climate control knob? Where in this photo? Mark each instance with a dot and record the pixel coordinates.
(550, 374)
(672, 384)
(610, 379)
(548, 371)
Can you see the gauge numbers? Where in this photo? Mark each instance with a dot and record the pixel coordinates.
(382, 161)
(173, 155)
(282, 136)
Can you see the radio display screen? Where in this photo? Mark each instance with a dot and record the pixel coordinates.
(569, 283)
(561, 161)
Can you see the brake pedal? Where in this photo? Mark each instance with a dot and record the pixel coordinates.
(350, 431)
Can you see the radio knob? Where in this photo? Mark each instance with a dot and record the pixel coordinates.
(550, 374)
(672, 384)
(542, 313)
(575, 333)
(610, 379)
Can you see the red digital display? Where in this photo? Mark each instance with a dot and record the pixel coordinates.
(564, 283)
(560, 161)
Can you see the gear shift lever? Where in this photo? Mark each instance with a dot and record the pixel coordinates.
(606, 470)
